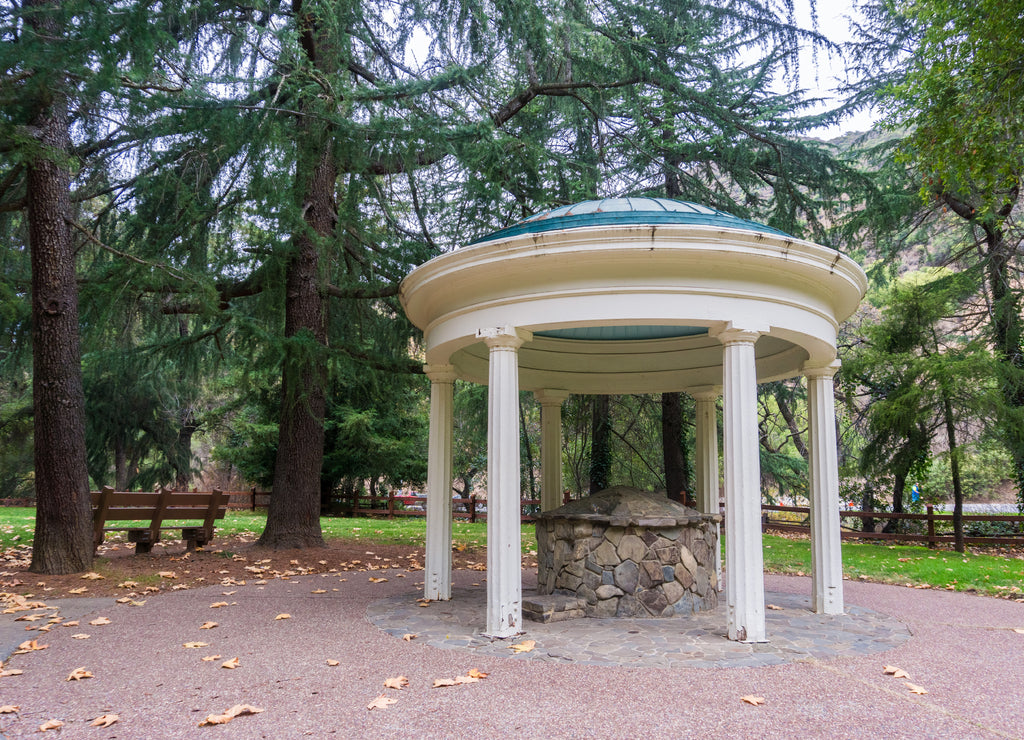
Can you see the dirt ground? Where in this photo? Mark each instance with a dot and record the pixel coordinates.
(119, 572)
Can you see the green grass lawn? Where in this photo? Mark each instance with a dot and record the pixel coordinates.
(900, 564)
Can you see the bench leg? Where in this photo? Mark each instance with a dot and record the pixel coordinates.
(141, 548)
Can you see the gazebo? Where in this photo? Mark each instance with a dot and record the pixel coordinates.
(635, 295)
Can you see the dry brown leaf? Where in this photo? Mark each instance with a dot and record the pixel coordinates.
(210, 658)
(753, 700)
(70, 624)
(208, 625)
(78, 674)
(80, 636)
(93, 577)
(169, 574)
(1018, 630)
(11, 672)
(30, 645)
(409, 636)
(331, 662)
(99, 621)
(81, 590)
(10, 708)
(381, 702)
(195, 644)
(377, 580)
(218, 604)
(439, 682)
(29, 618)
(466, 679)
(523, 647)
(236, 711)
(914, 688)
(891, 670)
(397, 682)
(50, 724)
(231, 664)
(319, 591)
(104, 720)
(773, 607)
(283, 616)
(474, 673)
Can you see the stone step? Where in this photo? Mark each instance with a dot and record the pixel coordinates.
(553, 607)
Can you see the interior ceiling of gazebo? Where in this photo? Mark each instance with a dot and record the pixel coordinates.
(627, 295)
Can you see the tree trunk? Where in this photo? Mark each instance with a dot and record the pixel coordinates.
(600, 443)
(867, 503)
(677, 484)
(528, 451)
(63, 537)
(794, 431)
(898, 489)
(120, 464)
(293, 519)
(954, 469)
(181, 457)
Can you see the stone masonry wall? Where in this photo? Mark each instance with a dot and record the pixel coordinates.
(630, 571)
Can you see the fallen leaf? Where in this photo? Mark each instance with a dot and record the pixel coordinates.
(30, 645)
(11, 672)
(474, 673)
(81, 590)
(99, 621)
(439, 682)
(50, 724)
(78, 674)
(104, 720)
(409, 636)
(319, 591)
(9, 708)
(232, 664)
(523, 647)
(774, 607)
(331, 662)
(753, 700)
(195, 644)
(914, 688)
(283, 616)
(1018, 630)
(169, 574)
(218, 604)
(377, 580)
(891, 670)
(398, 682)
(80, 636)
(235, 711)
(207, 625)
(381, 702)
(210, 658)
(93, 577)
(70, 624)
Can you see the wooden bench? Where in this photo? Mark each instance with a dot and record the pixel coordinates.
(157, 507)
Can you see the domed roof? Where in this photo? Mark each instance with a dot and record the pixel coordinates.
(621, 211)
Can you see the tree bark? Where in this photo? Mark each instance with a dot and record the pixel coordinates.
(677, 484)
(293, 518)
(63, 539)
(600, 443)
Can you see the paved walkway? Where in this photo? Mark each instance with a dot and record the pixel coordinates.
(315, 672)
(697, 641)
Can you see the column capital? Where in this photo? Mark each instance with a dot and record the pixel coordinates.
(734, 335)
(822, 371)
(504, 337)
(440, 373)
(550, 396)
(705, 392)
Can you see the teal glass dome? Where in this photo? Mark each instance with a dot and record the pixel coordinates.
(625, 211)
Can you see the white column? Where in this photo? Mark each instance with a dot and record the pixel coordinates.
(826, 540)
(437, 582)
(707, 463)
(504, 551)
(744, 559)
(551, 447)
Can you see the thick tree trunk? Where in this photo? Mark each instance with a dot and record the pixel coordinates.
(898, 489)
(120, 465)
(63, 540)
(677, 484)
(293, 519)
(181, 458)
(600, 443)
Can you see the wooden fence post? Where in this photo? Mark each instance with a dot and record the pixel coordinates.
(391, 504)
(931, 525)
(472, 508)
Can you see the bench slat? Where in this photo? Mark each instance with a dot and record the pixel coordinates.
(155, 508)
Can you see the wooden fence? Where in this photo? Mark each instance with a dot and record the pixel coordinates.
(393, 505)
(929, 517)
